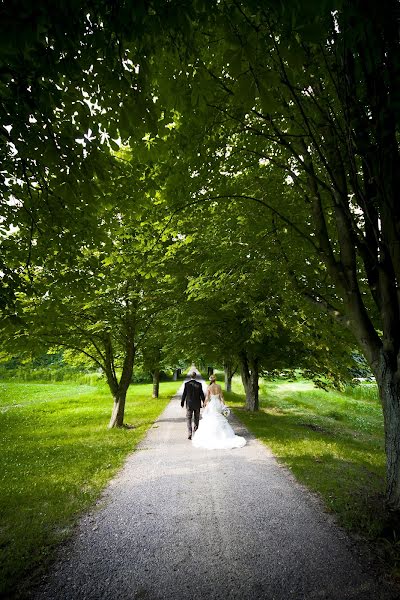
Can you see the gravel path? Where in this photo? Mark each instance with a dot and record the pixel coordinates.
(184, 523)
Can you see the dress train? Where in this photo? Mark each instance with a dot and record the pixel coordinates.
(214, 431)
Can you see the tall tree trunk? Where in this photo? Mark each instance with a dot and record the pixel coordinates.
(229, 371)
(175, 375)
(389, 391)
(228, 380)
(156, 383)
(249, 374)
(120, 389)
(117, 415)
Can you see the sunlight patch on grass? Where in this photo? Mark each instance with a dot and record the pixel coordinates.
(292, 386)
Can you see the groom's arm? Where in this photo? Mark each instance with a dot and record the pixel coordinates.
(202, 398)
(184, 395)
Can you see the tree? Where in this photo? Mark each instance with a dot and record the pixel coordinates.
(309, 88)
(74, 79)
(102, 301)
(241, 307)
(313, 89)
(152, 363)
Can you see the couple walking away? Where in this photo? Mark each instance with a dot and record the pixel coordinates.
(213, 431)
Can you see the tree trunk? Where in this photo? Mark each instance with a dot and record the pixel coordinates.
(249, 374)
(389, 391)
(156, 382)
(228, 381)
(117, 415)
(229, 371)
(120, 389)
(175, 375)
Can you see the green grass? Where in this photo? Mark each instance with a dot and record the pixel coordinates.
(56, 457)
(333, 443)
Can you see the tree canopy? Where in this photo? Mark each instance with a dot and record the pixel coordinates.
(286, 111)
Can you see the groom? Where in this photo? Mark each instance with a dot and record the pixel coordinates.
(194, 396)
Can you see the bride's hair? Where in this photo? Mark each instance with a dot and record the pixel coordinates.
(212, 378)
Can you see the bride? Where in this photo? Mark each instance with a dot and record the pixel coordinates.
(214, 431)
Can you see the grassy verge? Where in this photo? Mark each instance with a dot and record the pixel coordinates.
(56, 457)
(333, 443)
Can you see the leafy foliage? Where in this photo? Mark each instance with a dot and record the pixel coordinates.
(290, 107)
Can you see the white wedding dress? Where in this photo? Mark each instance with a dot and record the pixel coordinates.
(214, 431)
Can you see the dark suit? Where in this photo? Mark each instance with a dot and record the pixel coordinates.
(193, 395)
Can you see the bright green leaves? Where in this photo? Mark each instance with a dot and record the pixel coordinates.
(205, 95)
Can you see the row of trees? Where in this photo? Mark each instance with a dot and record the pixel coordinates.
(308, 95)
(106, 297)
(141, 284)
(291, 108)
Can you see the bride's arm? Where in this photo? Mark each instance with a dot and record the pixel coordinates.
(221, 396)
(207, 396)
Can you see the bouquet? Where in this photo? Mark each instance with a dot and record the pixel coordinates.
(226, 411)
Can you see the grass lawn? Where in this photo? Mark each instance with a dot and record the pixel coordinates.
(333, 443)
(56, 456)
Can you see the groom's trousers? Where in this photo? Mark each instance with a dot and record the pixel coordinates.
(195, 414)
